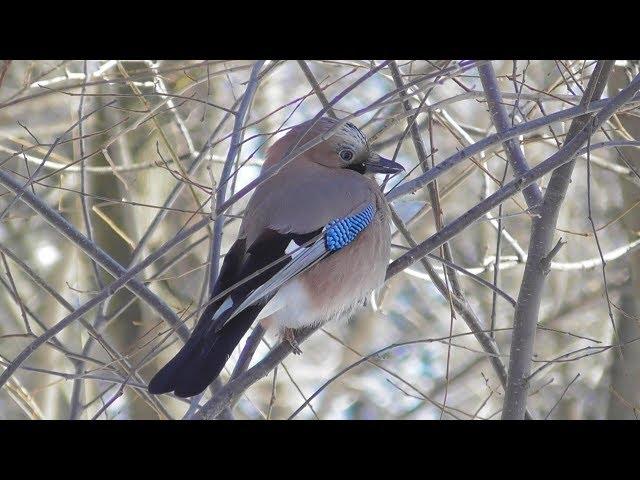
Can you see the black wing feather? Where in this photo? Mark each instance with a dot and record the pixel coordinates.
(204, 355)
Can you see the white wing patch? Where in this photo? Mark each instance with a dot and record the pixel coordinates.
(292, 247)
(272, 306)
(226, 305)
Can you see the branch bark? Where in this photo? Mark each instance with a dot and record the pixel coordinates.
(540, 244)
(419, 182)
(234, 147)
(500, 120)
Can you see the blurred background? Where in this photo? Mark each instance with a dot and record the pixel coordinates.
(125, 176)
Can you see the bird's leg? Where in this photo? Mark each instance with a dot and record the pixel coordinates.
(288, 334)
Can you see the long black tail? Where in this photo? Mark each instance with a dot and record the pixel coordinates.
(204, 355)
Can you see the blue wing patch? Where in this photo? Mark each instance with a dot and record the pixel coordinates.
(342, 231)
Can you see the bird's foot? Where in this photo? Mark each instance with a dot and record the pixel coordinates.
(289, 335)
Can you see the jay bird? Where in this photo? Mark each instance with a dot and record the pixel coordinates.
(313, 244)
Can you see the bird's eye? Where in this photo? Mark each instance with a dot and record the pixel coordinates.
(346, 155)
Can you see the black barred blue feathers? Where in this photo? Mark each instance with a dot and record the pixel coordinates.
(343, 231)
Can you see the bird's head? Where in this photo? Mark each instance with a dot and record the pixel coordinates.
(346, 148)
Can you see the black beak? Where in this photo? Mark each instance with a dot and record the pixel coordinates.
(382, 165)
